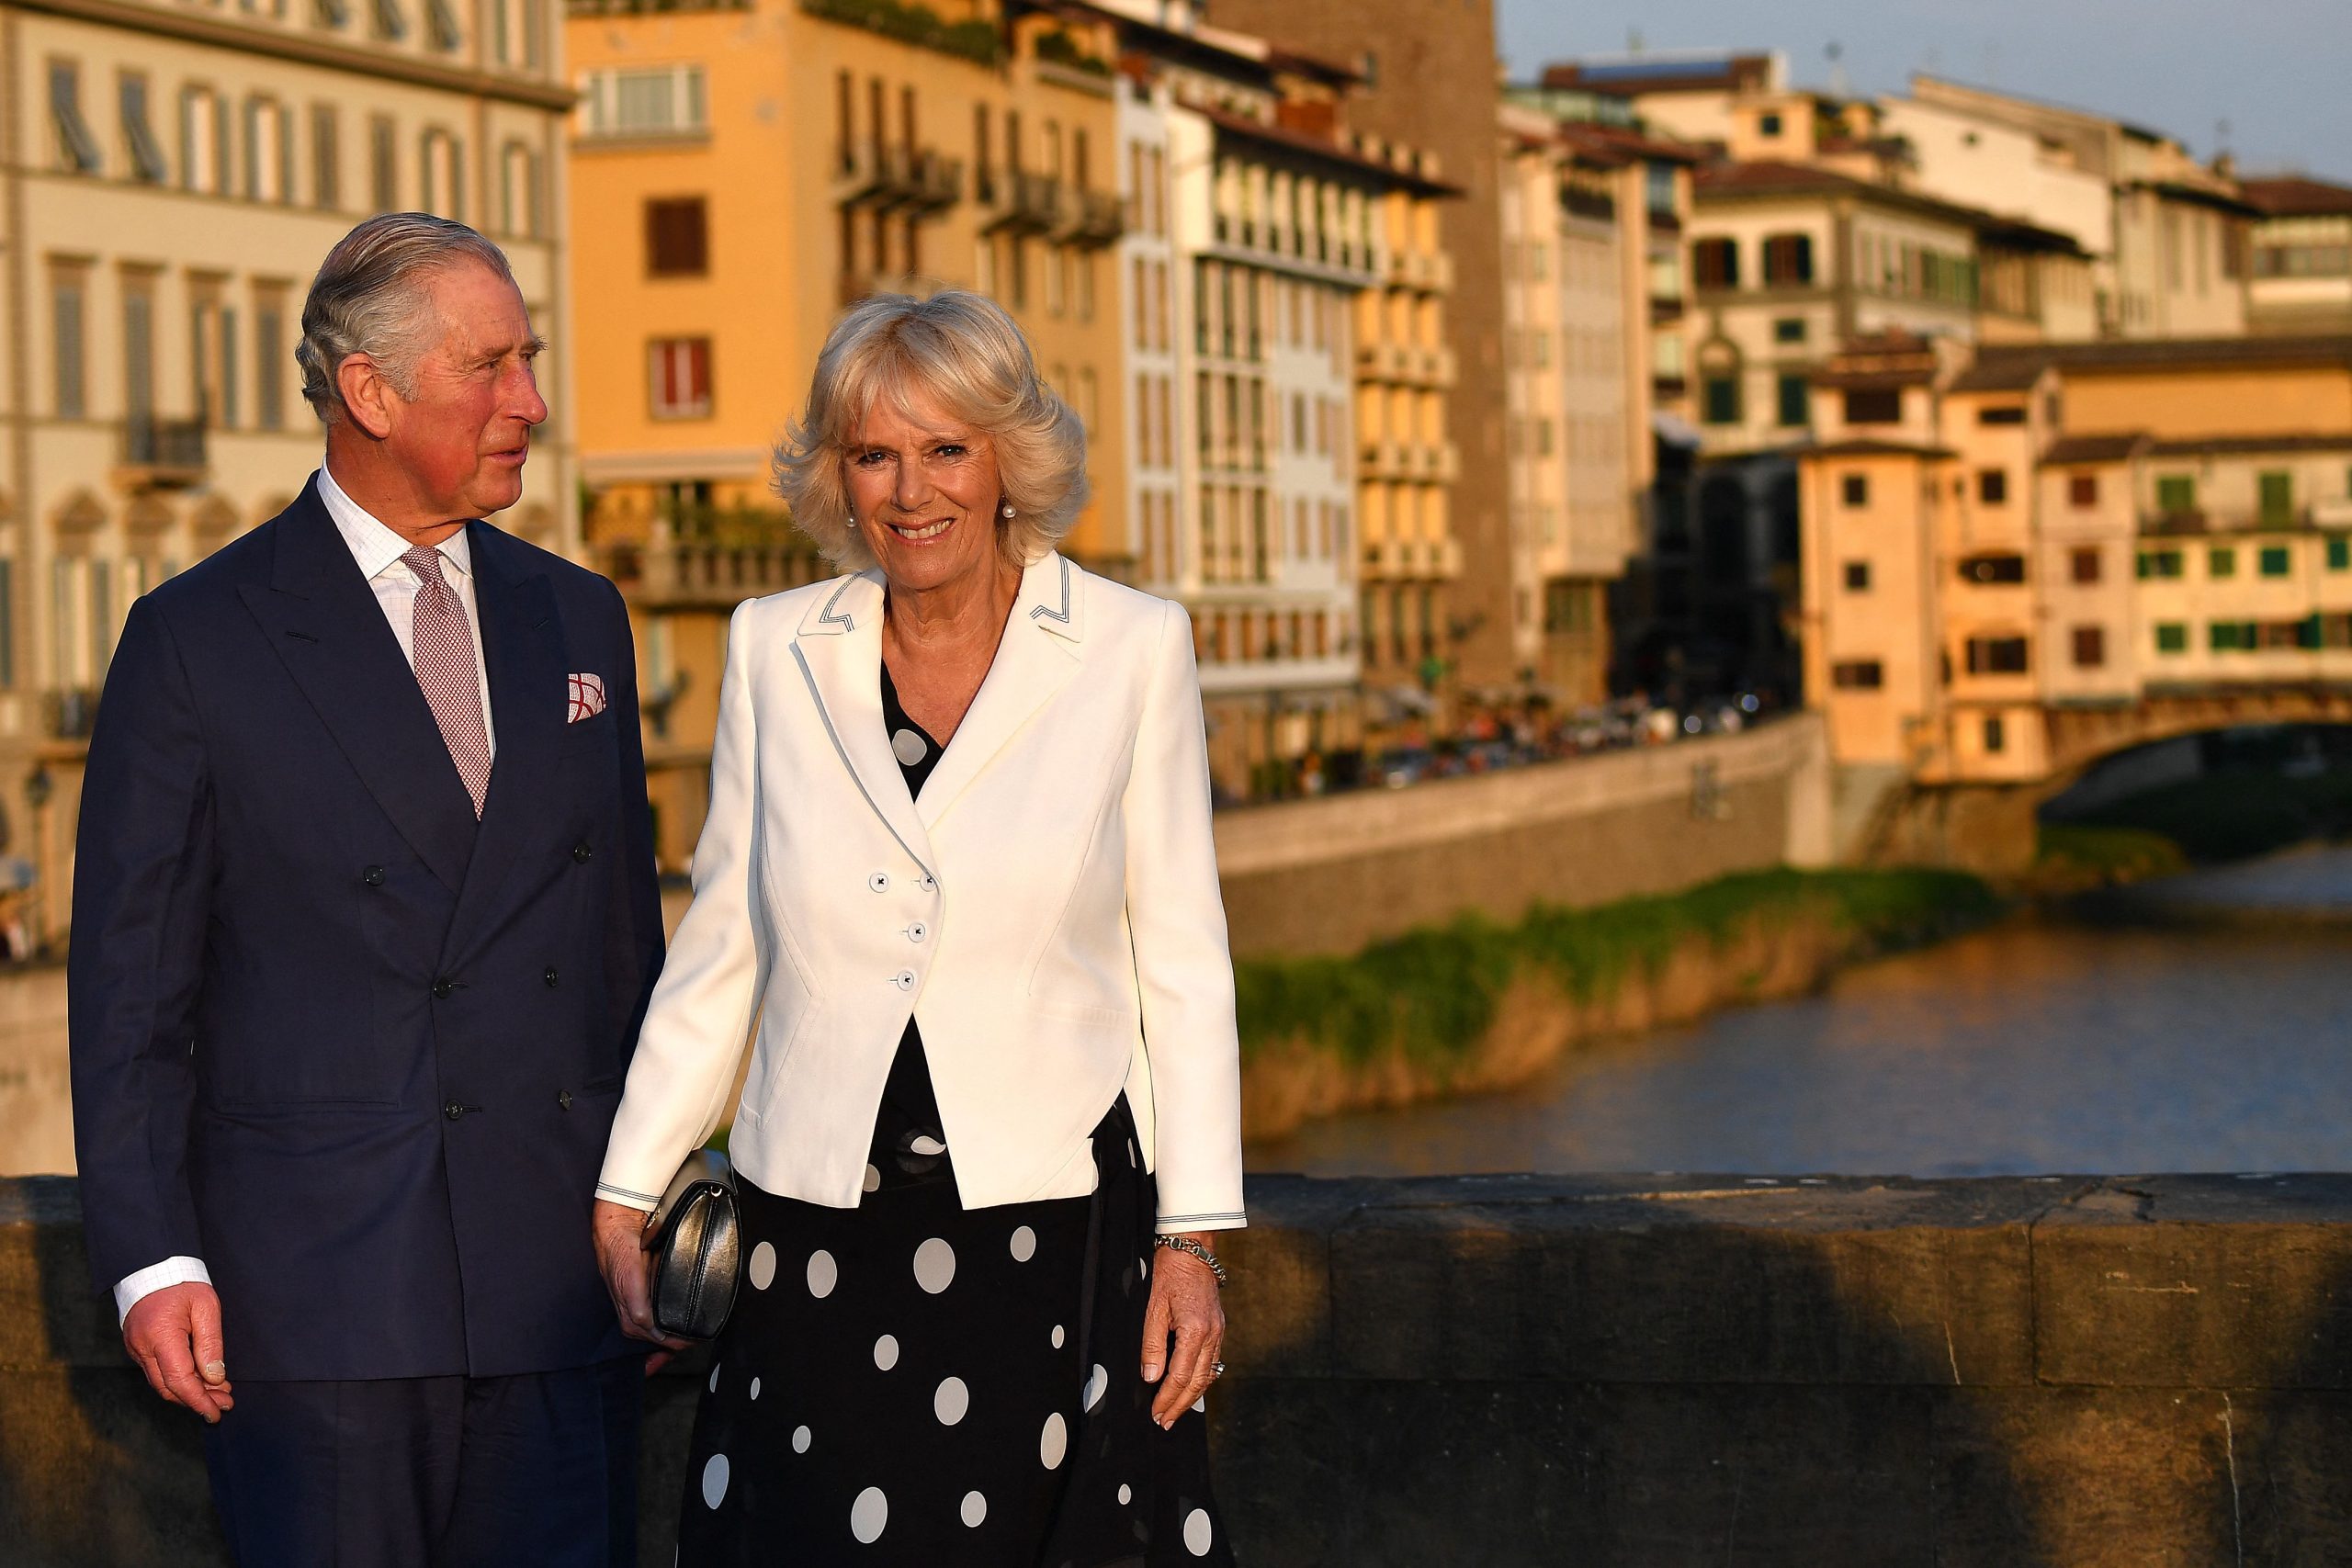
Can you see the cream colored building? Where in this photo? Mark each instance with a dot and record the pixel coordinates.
(174, 174)
(2301, 271)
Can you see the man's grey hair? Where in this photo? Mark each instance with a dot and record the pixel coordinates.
(371, 296)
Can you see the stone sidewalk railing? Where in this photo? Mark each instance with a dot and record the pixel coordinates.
(2069, 1373)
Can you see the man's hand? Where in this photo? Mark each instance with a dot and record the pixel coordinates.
(620, 1254)
(175, 1336)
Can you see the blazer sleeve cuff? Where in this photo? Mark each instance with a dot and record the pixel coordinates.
(137, 1286)
(629, 1198)
(1232, 1220)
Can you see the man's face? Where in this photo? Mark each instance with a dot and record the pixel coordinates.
(462, 440)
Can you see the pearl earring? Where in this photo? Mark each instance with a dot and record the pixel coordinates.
(1008, 511)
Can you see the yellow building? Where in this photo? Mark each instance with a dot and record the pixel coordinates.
(172, 176)
(2052, 546)
(741, 173)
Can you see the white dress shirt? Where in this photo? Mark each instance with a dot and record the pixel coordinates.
(378, 550)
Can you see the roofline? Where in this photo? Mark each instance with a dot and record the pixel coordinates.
(1327, 152)
(1829, 182)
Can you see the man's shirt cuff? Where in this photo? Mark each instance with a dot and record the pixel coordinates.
(155, 1277)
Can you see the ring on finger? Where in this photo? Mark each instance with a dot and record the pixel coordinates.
(1217, 1369)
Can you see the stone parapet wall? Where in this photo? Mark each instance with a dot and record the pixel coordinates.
(2068, 1373)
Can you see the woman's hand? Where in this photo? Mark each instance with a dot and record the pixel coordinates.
(620, 1255)
(1184, 1304)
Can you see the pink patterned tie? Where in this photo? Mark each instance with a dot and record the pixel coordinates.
(444, 647)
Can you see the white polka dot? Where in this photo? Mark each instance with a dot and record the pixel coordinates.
(713, 1481)
(923, 1145)
(872, 1511)
(1057, 1337)
(823, 1274)
(1024, 1244)
(755, 1388)
(934, 1265)
(1143, 1268)
(1096, 1382)
(1197, 1533)
(950, 1403)
(1052, 1442)
(873, 1179)
(800, 1440)
(976, 1508)
(886, 1352)
(1131, 1153)
(761, 1269)
(714, 1377)
(1202, 1404)
(1126, 1493)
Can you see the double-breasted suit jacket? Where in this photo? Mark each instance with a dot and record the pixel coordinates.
(355, 1049)
(1050, 914)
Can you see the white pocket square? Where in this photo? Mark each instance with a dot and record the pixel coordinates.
(587, 697)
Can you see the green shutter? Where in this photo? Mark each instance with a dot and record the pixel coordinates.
(2176, 493)
(2277, 496)
(2277, 561)
(2172, 638)
(2339, 554)
(2220, 562)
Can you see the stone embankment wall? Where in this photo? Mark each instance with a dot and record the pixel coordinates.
(1336, 873)
(1505, 1371)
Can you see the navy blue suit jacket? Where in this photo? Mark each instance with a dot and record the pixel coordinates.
(356, 1051)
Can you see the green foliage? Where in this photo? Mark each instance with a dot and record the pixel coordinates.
(2075, 851)
(1058, 48)
(913, 23)
(1433, 993)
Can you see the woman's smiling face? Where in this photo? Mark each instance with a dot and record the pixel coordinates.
(924, 488)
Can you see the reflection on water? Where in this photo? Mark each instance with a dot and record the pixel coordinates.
(2030, 1048)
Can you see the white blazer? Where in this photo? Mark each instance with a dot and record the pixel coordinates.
(1050, 914)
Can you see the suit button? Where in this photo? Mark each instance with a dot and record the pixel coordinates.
(443, 989)
(928, 882)
(373, 876)
(904, 980)
(564, 1099)
(453, 1110)
(916, 931)
(581, 853)
(550, 976)
(879, 882)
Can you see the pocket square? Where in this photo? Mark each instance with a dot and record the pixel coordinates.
(587, 697)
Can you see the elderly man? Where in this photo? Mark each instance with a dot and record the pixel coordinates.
(364, 921)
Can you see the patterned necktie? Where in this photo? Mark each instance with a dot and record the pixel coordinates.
(443, 648)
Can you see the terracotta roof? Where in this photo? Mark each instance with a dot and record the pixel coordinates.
(1584, 136)
(1318, 147)
(2001, 370)
(2070, 450)
(1870, 446)
(2225, 446)
(1284, 58)
(2179, 190)
(2011, 368)
(1771, 179)
(2295, 197)
(1868, 379)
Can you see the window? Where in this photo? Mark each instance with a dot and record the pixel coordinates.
(2277, 488)
(2277, 561)
(2172, 636)
(677, 237)
(2090, 648)
(2159, 563)
(441, 26)
(1794, 401)
(204, 140)
(334, 12)
(1858, 576)
(327, 158)
(70, 383)
(666, 101)
(1768, 125)
(1996, 734)
(1714, 264)
(2220, 562)
(1996, 656)
(1719, 400)
(270, 152)
(2084, 564)
(681, 378)
(514, 31)
(2082, 491)
(2175, 493)
(1993, 487)
(1857, 675)
(391, 25)
(1992, 568)
(1873, 405)
(139, 347)
(383, 164)
(1788, 260)
(2230, 637)
(139, 132)
(270, 356)
(2001, 413)
(1855, 489)
(77, 149)
(518, 192)
(2339, 553)
(442, 186)
(1789, 329)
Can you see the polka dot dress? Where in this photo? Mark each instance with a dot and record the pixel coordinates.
(909, 1383)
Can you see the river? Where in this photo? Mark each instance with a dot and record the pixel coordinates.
(2037, 1046)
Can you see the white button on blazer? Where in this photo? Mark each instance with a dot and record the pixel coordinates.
(1060, 867)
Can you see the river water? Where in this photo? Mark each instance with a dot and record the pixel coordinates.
(2034, 1047)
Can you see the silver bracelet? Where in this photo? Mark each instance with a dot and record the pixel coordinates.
(1186, 1244)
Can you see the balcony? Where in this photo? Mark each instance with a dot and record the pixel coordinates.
(1385, 460)
(1430, 272)
(68, 714)
(1029, 204)
(710, 576)
(1100, 219)
(2193, 521)
(859, 283)
(1441, 461)
(906, 179)
(163, 453)
(1381, 361)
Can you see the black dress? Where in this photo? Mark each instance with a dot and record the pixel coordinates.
(911, 1383)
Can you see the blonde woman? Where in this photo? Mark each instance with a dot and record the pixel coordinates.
(958, 890)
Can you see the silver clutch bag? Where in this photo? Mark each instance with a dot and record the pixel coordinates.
(696, 1240)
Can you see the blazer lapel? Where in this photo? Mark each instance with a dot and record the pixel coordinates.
(839, 649)
(1039, 653)
(523, 649)
(328, 628)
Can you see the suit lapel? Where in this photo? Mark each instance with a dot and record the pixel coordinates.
(1039, 653)
(324, 621)
(839, 648)
(521, 645)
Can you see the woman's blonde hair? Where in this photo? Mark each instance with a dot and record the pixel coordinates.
(968, 356)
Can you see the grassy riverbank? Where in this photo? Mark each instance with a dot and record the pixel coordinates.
(1478, 1005)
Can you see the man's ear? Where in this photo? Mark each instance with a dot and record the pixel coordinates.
(367, 396)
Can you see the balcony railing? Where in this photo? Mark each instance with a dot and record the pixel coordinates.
(68, 714)
(1100, 219)
(1029, 204)
(163, 453)
(675, 576)
(2202, 520)
(1431, 272)
(899, 178)
(1385, 460)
